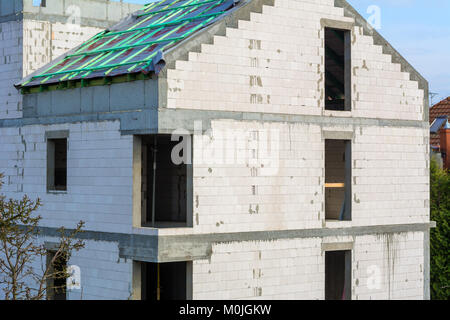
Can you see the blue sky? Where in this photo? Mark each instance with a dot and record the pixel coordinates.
(418, 29)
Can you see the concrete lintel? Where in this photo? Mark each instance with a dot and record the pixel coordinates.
(58, 134)
(139, 254)
(51, 246)
(336, 24)
(337, 135)
(174, 248)
(337, 246)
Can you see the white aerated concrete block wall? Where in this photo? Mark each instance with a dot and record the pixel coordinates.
(281, 269)
(66, 36)
(99, 174)
(11, 37)
(383, 267)
(29, 44)
(25, 47)
(388, 266)
(45, 41)
(278, 188)
(103, 275)
(270, 64)
(282, 188)
(275, 63)
(390, 175)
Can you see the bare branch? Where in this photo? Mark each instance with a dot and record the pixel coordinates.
(19, 227)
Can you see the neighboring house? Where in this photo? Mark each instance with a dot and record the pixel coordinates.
(220, 149)
(440, 132)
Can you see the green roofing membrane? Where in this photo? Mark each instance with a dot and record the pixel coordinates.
(136, 44)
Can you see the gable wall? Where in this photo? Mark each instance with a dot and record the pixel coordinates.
(275, 63)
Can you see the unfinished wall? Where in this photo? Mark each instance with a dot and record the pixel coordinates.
(104, 276)
(238, 189)
(383, 267)
(275, 63)
(272, 191)
(11, 69)
(29, 45)
(386, 266)
(259, 67)
(45, 41)
(389, 266)
(99, 174)
(10, 8)
(96, 13)
(389, 177)
(40, 34)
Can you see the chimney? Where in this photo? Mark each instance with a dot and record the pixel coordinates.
(444, 134)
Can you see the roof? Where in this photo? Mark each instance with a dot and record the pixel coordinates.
(437, 112)
(441, 108)
(438, 123)
(134, 45)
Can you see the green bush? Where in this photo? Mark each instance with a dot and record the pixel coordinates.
(439, 236)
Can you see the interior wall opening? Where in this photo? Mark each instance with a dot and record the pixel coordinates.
(337, 69)
(338, 275)
(166, 281)
(338, 180)
(166, 181)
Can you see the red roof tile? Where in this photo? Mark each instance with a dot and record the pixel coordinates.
(439, 109)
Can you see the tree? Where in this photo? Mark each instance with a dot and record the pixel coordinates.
(440, 236)
(20, 251)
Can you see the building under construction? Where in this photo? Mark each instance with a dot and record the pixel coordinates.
(231, 149)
